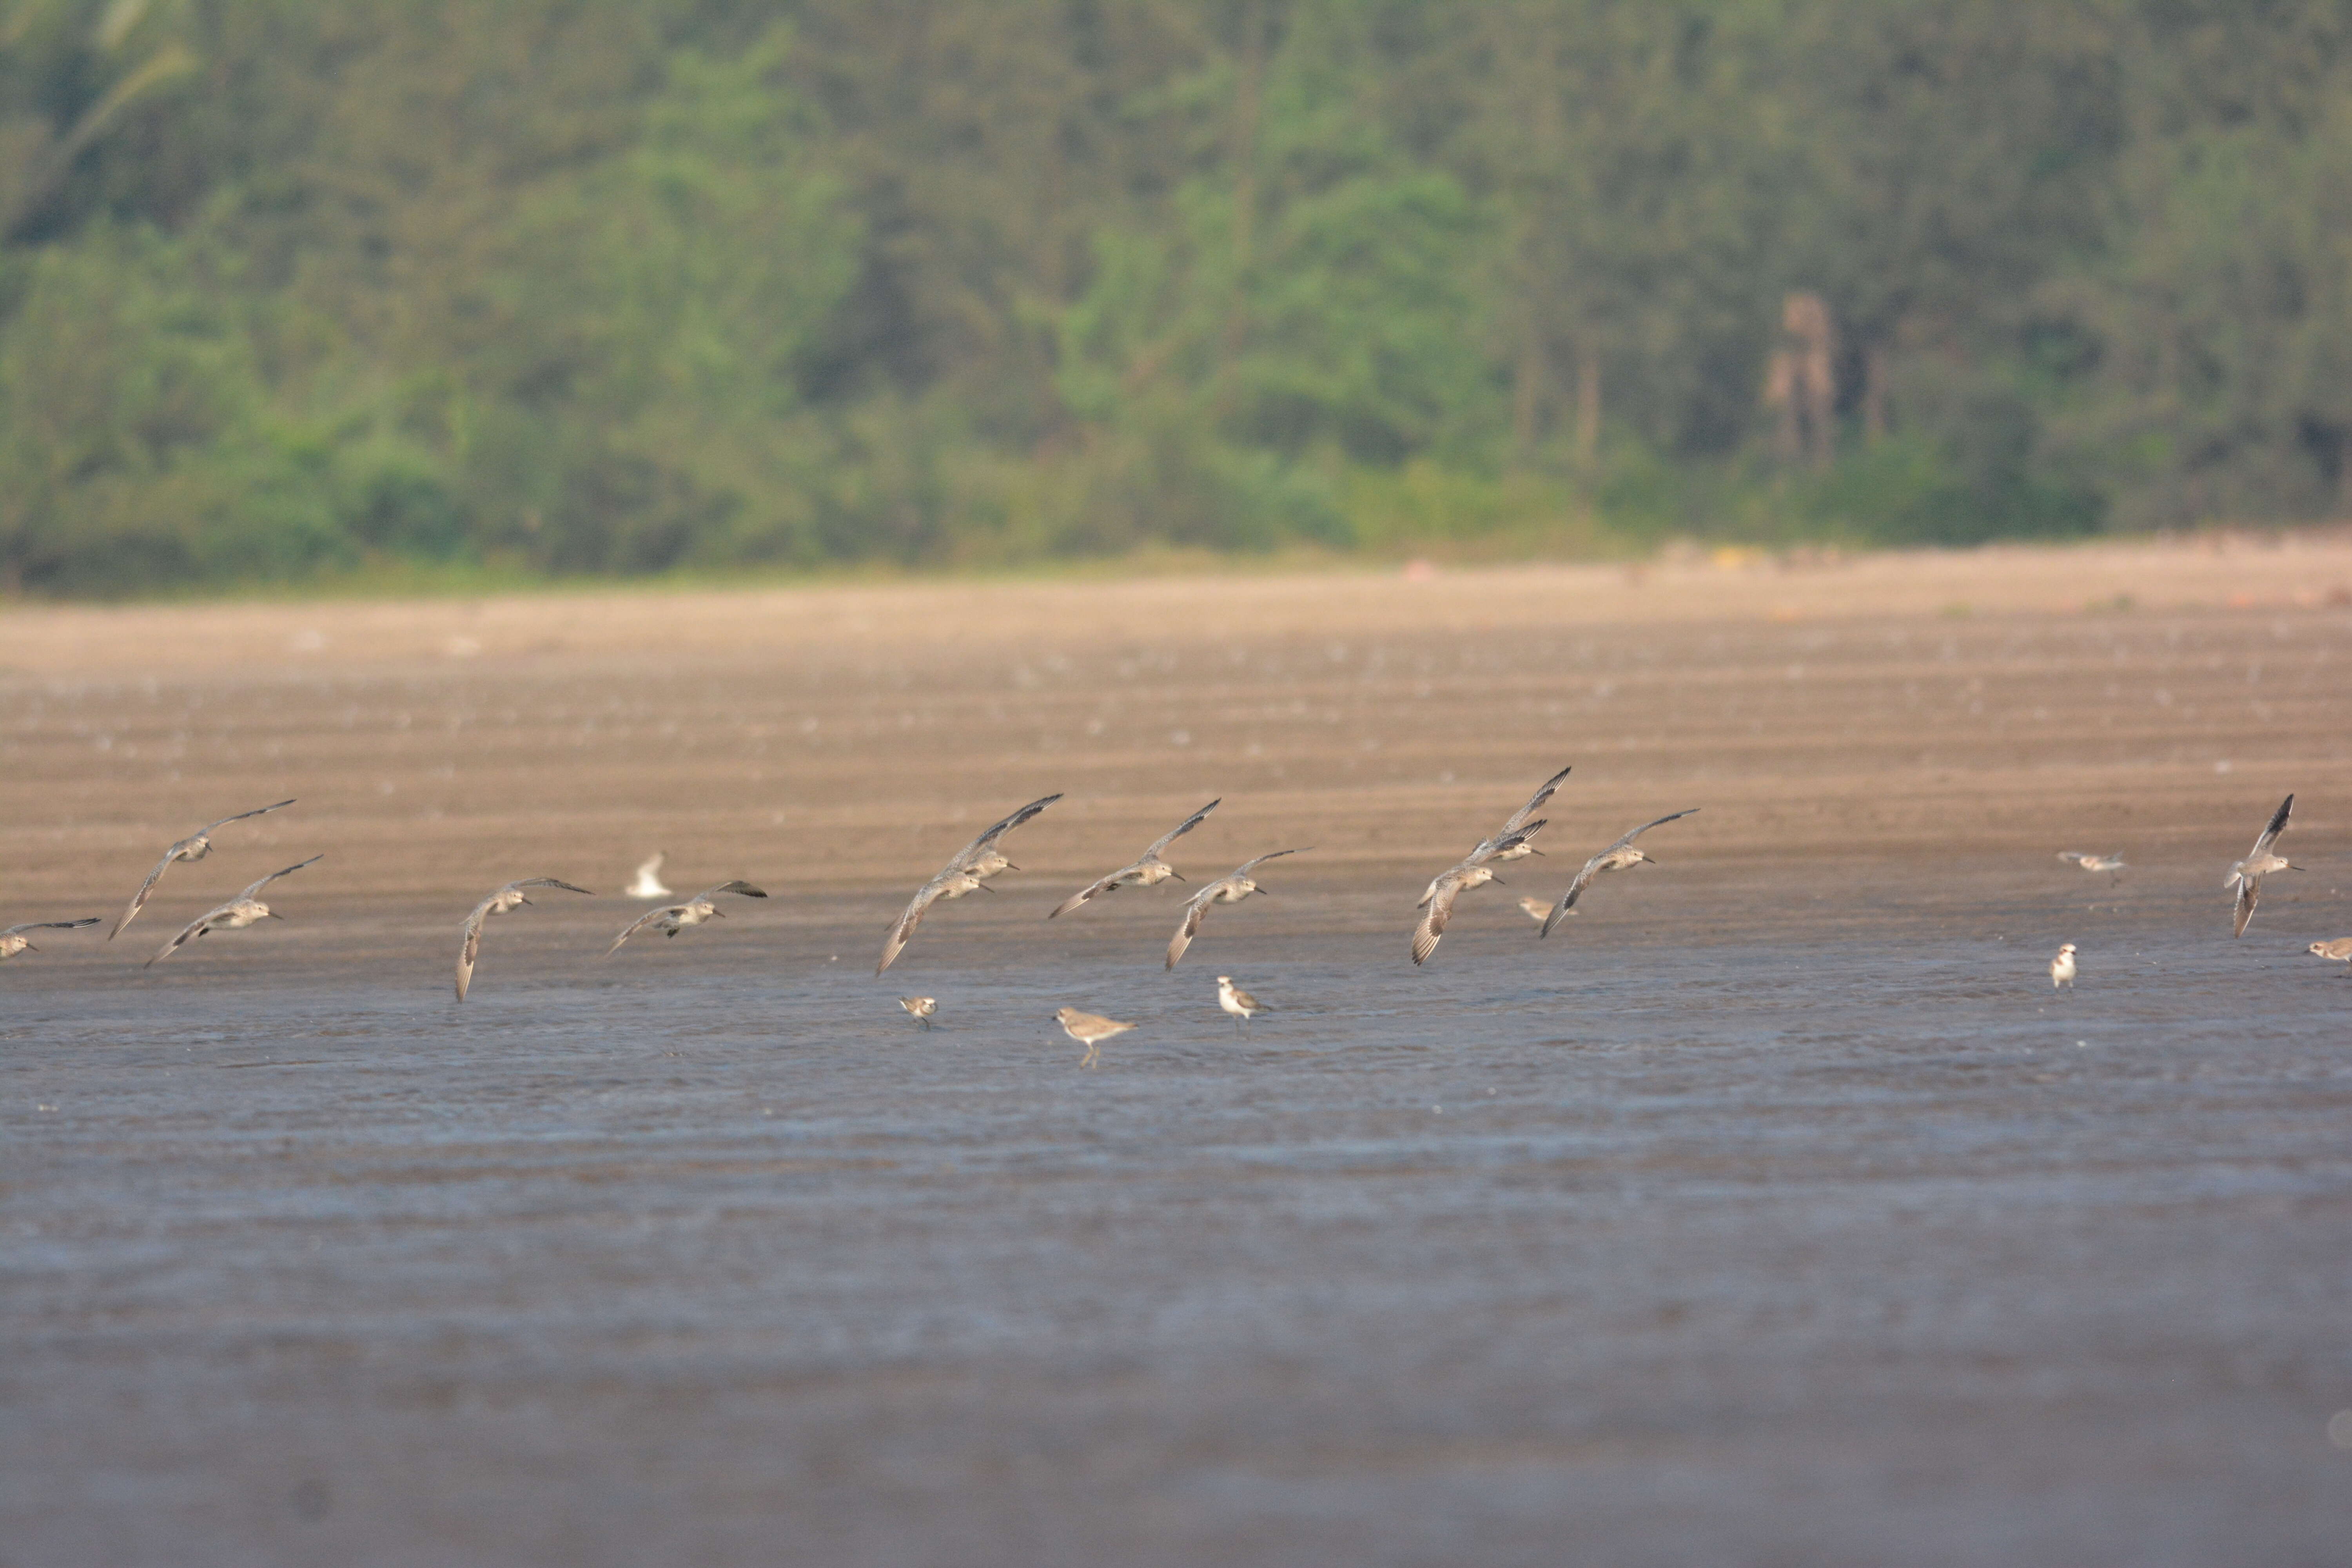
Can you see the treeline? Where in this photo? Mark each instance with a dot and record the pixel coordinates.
(586, 286)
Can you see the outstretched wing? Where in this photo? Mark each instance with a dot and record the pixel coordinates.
(138, 898)
(1091, 891)
(1247, 866)
(2278, 825)
(1195, 912)
(240, 816)
(902, 929)
(1592, 868)
(472, 945)
(966, 855)
(1543, 794)
(1182, 828)
(255, 891)
(1432, 920)
(544, 882)
(745, 889)
(2250, 893)
(643, 921)
(195, 928)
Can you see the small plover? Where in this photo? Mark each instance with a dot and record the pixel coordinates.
(2340, 950)
(194, 846)
(2108, 863)
(1229, 888)
(234, 915)
(2246, 876)
(505, 901)
(13, 941)
(1147, 870)
(1090, 1031)
(2062, 968)
(648, 884)
(920, 1008)
(1535, 909)
(1238, 1001)
(675, 918)
(967, 873)
(1618, 856)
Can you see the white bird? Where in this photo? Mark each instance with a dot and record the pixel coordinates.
(1090, 1031)
(505, 901)
(2094, 862)
(193, 848)
(1147, 870)
(1618, 856)
(2062, 968)
(920, 1009)
(1231, 889)
(971, 867)
(1238, 1001)
(2246, 876)
(648, 884)
(13, 941)
(675, 918)
(1496, 847)
(234, 915)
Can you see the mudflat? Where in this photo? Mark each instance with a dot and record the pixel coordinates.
(1776, 1209)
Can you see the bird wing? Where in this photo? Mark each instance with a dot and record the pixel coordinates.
(640, 923)
(1632, 834)
(1247, 866)
(472, 945)
(1592, 868)
(195, 928)
(240, 816)
(1535, 800)
(2250, 893)
(1196, 910)
(965, 855)
(1182, 828)
(1091, 891)
(544, 882)
(1432, 920)
(745, 889)
(138, 898)
(902, 929)
(51, 925)
(2075, 856)
(2278, 825)
(255, 891)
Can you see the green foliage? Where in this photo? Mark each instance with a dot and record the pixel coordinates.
(480, 289)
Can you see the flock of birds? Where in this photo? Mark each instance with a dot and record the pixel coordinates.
(969, 869)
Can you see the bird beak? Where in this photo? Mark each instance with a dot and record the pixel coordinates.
(1180, 875)
(986, 888)
(1498, 881)
(275, 916)
(1010, 867)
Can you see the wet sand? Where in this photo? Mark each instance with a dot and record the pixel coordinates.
(1775, 1211)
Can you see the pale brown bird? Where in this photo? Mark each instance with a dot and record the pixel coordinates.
(13, 941)
(1618, 856)
(672, 919)
(920, 1009)
(1238, 1001)
(2246, 876)
(1147, 870)
(505, 901)
(192, 848)
(1090, 1031)
(968, 872)
(1229, 888)
(234, 915)
(2340, 950)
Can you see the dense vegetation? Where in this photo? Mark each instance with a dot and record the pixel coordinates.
(289, 287)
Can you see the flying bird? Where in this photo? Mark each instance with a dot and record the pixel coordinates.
(1147, 870)
(2247, 875)
(13, 941)
(1535, 909)
(1231, 889)
(2094, 862)
(1476, 871)
(1618, 856)
(234, 915)
(505, 901)
(648, 884)
(1498, 845)
(194, 846)
(971, 867)
(675, 918)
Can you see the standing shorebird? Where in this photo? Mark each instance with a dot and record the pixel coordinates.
(973, 865)
(2108, 863)
(1238, 1001)
(2340, 950)
(1090, 1031)
(1508, 842)
(2062, 968)
(1147, 870)
(675, 918)
(648, 884)
(193, 848)
(1231, 889)
(920, 1009)
(505, 901)
(1618, 856)
(2247, 875)
(234, 915)
(13, 941)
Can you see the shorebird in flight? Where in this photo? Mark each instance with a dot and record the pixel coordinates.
(1238, 1001)
(234, 915)
(1618, 856)
(2062, 968)
(1090, 1031)
(13, 941)
(1231, 889)
(505, 901)
(920, 1009)
(1147, 870)
(194, 846)
(1476, 871)
(648, 884)
(1535, 909)
(2246, 876)
(1508, 842)
(971, 867)
(2340, 950)
(2108, 863)
(675, 918)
